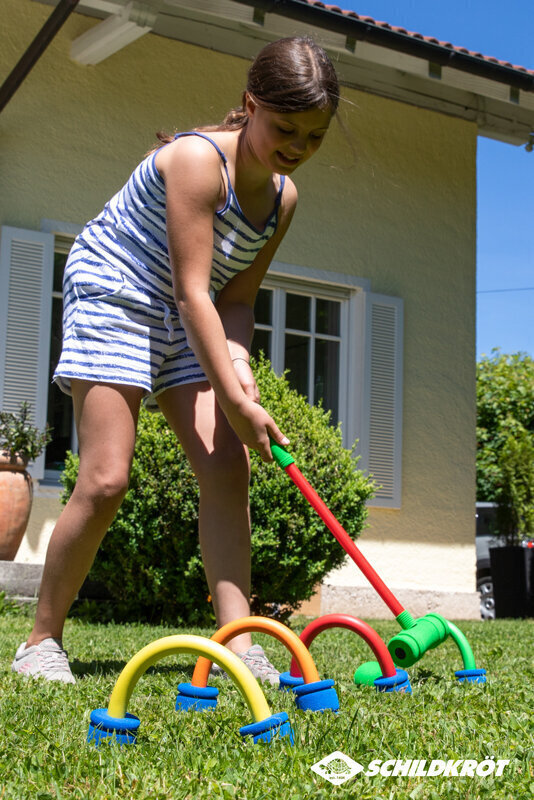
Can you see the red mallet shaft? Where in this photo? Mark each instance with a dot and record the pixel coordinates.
(344, 539)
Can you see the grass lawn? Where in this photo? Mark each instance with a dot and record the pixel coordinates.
(43, 727)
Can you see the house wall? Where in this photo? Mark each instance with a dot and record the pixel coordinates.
(391, 198)
(404, 216)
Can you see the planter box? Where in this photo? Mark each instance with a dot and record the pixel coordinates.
(512, 570)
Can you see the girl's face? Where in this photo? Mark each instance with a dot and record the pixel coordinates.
(283, 141)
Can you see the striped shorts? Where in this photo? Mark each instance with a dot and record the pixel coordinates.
(115, 332)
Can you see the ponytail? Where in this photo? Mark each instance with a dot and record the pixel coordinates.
(163, 138)
(235, 120)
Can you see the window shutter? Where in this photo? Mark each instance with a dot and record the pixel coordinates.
(26, 274)
(382, 428)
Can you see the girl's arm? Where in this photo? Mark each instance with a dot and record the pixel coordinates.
(192, 174)
(235, 302)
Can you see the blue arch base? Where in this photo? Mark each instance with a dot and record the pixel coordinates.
(288, 681)
(122, 730)
(267, 730)
(471, 675)
(397, 683)
(196, 698)
(317, 696)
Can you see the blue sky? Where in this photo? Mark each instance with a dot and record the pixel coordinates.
(505, 236)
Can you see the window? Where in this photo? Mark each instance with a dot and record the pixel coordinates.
(341, 343)
(342, 347)
(309, 341)
(59, 412)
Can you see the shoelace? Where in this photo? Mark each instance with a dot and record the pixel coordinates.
(261, 662)
(55, 659)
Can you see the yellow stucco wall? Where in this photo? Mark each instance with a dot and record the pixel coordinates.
(394, 202)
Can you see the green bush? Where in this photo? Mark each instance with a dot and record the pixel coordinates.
(515, 491)
(150, 559)
(505, 441)
(505, 407)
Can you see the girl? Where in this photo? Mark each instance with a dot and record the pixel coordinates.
(203, 214)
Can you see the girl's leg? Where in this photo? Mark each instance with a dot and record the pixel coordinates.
(106, 421)
(220, 463)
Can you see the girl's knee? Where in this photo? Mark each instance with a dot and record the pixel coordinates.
(225, 466)
(104, 487)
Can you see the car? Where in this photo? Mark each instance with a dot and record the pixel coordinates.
(485, 538)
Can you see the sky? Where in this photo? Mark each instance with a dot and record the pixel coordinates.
(505, 214)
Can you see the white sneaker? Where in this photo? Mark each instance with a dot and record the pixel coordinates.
(257, 662)
(44, 660)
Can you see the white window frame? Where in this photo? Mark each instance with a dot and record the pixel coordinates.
(347, 290)
(60, 230)
(362, 347)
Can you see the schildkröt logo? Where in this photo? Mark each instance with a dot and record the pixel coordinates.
(339, 768)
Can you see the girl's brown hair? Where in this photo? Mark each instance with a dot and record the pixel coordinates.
(287, 75)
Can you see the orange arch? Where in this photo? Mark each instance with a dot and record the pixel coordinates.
(281, 632)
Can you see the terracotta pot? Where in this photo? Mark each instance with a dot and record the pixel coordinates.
(16, 495)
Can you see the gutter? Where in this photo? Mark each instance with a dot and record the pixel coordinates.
(361, 30)
(59, 15)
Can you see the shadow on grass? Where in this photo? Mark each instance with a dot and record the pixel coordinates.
(423, 676)
(84, 669)
(104, 611)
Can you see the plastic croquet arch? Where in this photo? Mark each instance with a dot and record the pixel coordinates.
(285, 635)
(364, 630)
(196, 645)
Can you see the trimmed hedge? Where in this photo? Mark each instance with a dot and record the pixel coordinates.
(150, 560)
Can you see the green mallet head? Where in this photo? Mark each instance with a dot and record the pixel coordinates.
(411, 644)
(367, 673)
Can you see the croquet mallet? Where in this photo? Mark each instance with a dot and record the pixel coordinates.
(417, 635)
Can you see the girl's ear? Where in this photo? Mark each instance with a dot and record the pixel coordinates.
(249, 104)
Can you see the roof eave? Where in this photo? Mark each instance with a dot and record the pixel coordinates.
(359, 29)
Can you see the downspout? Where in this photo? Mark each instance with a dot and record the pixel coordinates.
(56, 19)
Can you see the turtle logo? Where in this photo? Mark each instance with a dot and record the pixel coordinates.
(337, 768)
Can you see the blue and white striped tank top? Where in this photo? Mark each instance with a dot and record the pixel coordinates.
(130, 234)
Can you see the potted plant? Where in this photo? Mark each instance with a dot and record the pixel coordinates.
(512, 562)
(20, 442)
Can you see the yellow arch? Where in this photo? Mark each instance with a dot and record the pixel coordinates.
(197, 645)
(262, 625)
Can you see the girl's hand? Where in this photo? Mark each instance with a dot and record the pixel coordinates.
(246, 378)
(254, 426)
